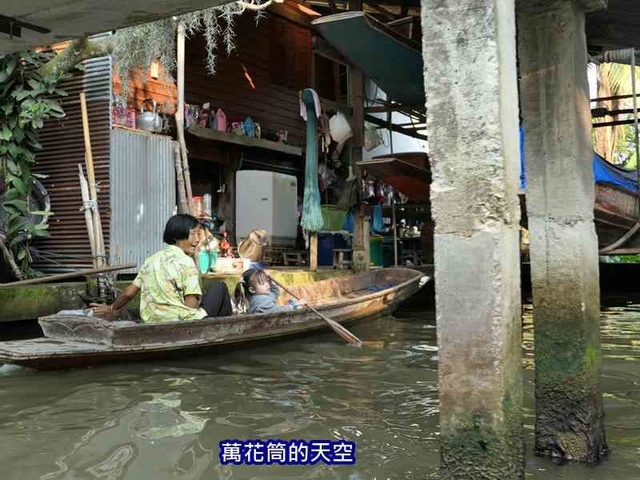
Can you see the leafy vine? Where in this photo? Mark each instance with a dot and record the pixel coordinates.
(26, 101)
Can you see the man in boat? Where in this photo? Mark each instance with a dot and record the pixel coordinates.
(169, 282)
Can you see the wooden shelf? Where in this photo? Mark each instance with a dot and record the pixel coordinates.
(216, 136)
(138, 131)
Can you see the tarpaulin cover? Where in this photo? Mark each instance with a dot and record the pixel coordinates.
(603, 172)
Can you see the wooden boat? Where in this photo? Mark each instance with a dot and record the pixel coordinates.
(81, 340)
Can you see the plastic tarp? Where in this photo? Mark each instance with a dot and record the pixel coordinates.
(603, 172)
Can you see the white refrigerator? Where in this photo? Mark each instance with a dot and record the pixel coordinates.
(268, 201)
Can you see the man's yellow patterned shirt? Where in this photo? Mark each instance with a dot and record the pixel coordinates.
(164, 280)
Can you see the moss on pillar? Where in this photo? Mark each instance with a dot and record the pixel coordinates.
(570, 411)
(481, 448)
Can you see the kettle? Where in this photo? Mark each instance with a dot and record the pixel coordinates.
(149, 121)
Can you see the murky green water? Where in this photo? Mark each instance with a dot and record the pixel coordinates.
(164, 420)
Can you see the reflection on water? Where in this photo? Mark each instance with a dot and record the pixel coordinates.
(164, 420)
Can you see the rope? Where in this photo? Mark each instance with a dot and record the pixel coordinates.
(88, 205)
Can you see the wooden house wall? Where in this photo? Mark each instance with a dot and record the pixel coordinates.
(276, 50)
(261, 78)
(164, 93)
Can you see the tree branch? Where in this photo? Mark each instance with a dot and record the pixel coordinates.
(76, 52)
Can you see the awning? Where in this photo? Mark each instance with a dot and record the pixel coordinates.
(409, 173)
(392, 61)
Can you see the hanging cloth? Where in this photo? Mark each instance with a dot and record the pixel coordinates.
(311, 212)
(316, 104)
(376, 219)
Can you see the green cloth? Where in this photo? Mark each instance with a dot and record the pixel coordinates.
(312, 220)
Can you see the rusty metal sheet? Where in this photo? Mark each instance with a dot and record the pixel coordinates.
(63, 149)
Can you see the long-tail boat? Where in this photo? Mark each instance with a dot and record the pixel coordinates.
(81, 340)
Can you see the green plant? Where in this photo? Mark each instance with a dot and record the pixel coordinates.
(615, 143)
(26, 101)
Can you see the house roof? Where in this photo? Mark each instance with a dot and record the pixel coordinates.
(28, 23)
(615, 28)
(41, 22)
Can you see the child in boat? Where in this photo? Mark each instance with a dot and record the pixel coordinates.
(259, 294)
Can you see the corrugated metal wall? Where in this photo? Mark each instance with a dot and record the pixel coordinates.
(142, 194)
(63, 149)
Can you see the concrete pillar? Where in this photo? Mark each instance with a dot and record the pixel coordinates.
(472, 108)
(563, 244)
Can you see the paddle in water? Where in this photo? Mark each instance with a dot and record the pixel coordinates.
(339, 329)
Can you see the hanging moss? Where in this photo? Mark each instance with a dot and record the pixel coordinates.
(134, 49)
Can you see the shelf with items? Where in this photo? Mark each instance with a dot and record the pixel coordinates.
(217, 136)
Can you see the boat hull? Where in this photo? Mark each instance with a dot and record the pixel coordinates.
(79, 341)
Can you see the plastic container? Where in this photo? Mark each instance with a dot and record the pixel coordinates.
(333, 217)
(375, 247)
(213, 260)
(387, 252)
(340, 128)
(221, 121)
(131, 117)
(327, 241)
(204, 261)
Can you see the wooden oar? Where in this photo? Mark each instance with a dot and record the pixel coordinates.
(339, 329)
(66, 276)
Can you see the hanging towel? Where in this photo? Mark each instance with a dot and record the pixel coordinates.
(316, 103)
(312, 220)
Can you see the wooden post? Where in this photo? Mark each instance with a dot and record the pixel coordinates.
(183, 206)
(91, 177)
(361, 259)
(227, 199)
(394, 225)
(313, 251)
(179, 116)
(88, 217)
(361, 256)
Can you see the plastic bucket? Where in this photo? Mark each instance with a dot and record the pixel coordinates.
(213, 259)
(375, 247)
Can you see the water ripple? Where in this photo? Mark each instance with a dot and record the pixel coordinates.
(164, 420)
